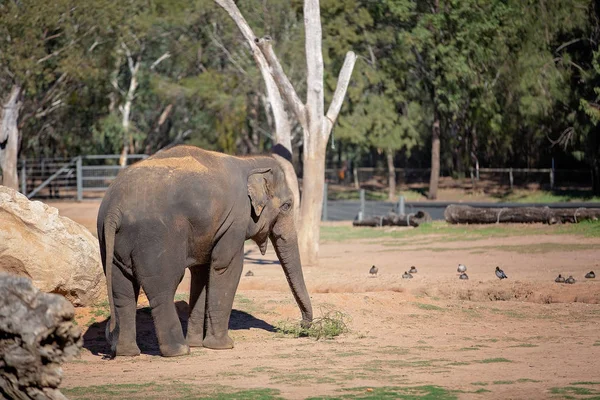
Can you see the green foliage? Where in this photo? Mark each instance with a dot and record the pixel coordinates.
(502, 77)
(414, 392)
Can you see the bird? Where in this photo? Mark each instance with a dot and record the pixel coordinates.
(406, 275)
(413, 270)
(590, 275)
(249, 273)
(373, 270)
(570, 279)
(500, 274)
(463, 276)
(461, 268)
(559, 279)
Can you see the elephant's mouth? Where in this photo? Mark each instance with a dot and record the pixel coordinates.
(261, 241)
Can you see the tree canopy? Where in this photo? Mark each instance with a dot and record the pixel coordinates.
(511, 83)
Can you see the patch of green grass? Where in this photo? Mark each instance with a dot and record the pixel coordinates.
(479, 383)
(331, 324)
(597, 343)
(468, 348)
(182, 296)
(459, 363)
(523, 380)
(482, 390)
(585, 383)
(495, 360)
(349, 354)
(566, 390)
(101, 309)
(449, 232)
(542, 196)
(503, 382)
(429, 307)
(427, 392)
(176, 390)
(525, 345)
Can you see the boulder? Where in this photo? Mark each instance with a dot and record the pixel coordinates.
(58, 254)
(36, 335)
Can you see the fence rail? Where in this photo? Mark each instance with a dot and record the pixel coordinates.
(71, 178)
(77, 176)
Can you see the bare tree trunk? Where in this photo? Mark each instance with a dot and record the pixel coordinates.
(134, 67)
(9, 138)
(283, 136)
(312, 205)
(315, 124)
(391, 175)
(435, 160)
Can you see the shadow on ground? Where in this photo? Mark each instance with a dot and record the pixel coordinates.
(95, 342)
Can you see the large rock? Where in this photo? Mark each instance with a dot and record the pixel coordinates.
(58, 254)
(36, 335)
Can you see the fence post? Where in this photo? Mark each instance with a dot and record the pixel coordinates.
(361, 212)
(552, 175)
(324, 212)
(79, 179)
(510, 178)
(24, 177)
(355, 176)
(401, 208)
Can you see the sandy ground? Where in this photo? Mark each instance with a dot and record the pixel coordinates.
(525, 337)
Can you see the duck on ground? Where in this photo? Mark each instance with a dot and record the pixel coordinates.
(500, 274)
(590, 275)
(373, 271)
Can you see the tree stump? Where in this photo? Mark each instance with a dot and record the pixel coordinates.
(36, 335)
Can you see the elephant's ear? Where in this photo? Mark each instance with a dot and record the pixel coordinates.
(258, 188)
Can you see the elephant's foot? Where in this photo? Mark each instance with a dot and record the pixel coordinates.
(127, 350)
(195, 340)
(218, 343)
(174, 350)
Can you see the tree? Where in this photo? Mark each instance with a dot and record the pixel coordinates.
(316, 125)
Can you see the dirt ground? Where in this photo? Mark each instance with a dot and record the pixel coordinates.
(433, 336)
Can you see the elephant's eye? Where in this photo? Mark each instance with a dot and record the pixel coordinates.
(286, 207)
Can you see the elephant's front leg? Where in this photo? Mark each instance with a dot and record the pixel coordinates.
(195, 328)
(222, 284)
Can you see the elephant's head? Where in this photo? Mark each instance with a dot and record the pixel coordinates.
(272, 216)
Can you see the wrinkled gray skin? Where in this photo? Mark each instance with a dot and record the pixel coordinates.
(190, 208)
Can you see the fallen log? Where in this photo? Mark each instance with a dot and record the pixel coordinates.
(393, 219)
(36, 335)
(459, 214)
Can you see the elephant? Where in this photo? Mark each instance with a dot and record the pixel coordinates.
(185, 207)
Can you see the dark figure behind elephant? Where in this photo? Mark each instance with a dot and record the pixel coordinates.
(189, 208)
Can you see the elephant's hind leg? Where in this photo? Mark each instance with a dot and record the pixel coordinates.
(195, 328)
(125, 295)
(222, 284)
(159, 275)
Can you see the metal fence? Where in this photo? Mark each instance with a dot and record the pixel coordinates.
(506, 177)
(70, 177)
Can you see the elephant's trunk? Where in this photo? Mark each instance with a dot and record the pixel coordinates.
(289, 256)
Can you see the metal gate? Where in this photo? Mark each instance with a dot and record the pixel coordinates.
(77, 177)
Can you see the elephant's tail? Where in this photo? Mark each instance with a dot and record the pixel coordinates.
(111, 225)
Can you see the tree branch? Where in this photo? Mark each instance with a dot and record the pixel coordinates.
(282, 124)
(227, 53)
(283, 83)
(315, 102)
(340, 92)
(159, 60)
